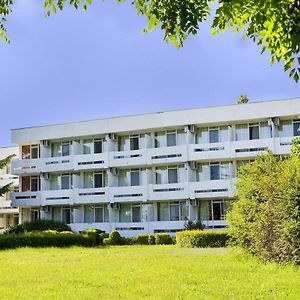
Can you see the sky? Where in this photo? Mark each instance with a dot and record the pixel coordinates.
(79, 65)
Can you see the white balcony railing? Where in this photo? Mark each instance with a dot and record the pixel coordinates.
(168, 191)
(128, 158)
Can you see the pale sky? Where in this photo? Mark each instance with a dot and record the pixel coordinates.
(85, 65)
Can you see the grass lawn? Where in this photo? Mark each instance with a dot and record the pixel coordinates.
(137, 272)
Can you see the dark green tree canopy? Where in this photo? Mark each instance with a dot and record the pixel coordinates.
(272, 24)
(3, 163)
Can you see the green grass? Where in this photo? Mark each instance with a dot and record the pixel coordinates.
(137, 272)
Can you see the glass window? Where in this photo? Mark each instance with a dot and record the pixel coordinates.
(224, 171)
(135, 177)
(172, 176)
(184, 210)
(181, 137)
(56, 214)
(65, 149)
(88, 214)
(65, 182)
(34, 214)
(123, 178)
(66, 215)
(136, 213)
(224, 134)
(88, 180)
(241, 132)
(163, 212)
(174, 212)
(125, 213)
(202, 136)
(54, 183)
(253, 131)
(203, 172)
(98, 146)
(214, 135)
(25, 183)
(285, 129)
(296, 128)
(134, 143)
(159, 140)
(99, 214)
(265, 130)
(34, 151)
(171, 139)
(98, 180)
(87, 146)
(26, 152)
(217, 210)
(55, 149)
(214, 172)
(34, 183)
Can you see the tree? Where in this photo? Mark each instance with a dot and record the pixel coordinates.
(243, 99)
(265, 218)
(272, 24)
(4, 163)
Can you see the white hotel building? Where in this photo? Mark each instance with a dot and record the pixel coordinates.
(146, 173)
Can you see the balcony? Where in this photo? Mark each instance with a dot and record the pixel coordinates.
(91, 196)
(7, 179)
(57, 197)
(25, 166)
(26, 199)
(213, 151)
(128, 158)
(6, 208)
(169, 191)
(57, 164)
(167, 155)
(129, 194)
(283, 145)
(212, 189)
(90, 161)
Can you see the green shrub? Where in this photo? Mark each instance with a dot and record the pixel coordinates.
(201, 238)
(129, 240)
(163, 239)
(114, 238)
(265, 218)
(97, 234)
(38, 225)
(151, 239)
(196, 225)
(45, 239)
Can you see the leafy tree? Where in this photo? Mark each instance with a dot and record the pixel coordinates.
(4, 162)
(272, 24)
(243, 99)
(265, 219)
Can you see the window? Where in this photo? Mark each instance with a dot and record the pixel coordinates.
(125, 213)
(135, 177)
(216, 210)
(34, 180)
(172, 175)
(214, 172)
(30, 183)
(88, 214)
(214, 135)
(34, 214)
(98, 146)
(65, 181)
(25, 183)
(136, 213)
(296, 128)
(98, 180)
(30, 151)
(60, 149)
(65, 149)
(87, 146)
(285, 128)
(171, 139)
(66, 215)
(134, 142)
(101, 214)
(253, 131)
(173, 211)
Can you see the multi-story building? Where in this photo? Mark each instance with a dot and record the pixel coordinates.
(8, 215)
(149, 172)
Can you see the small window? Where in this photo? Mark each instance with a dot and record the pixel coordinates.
(171, 139)
(26, 152)
(174, 211)
(135, 177)
(98, 146)
(66, 215)
(25, 183)
(296, 128)
(34, 183)
(134, 143)
(98, 180)
(65, 149)
(214, 135)
(99, 214)
(136, 213)
(214, 172)
(172, 176)
(254, 131)
(65, 182)
(34, 151)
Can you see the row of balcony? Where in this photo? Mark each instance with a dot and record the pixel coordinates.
(153, 156)
(144, 193)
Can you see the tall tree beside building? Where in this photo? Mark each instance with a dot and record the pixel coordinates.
(3, 163)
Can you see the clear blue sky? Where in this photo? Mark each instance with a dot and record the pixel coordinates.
(85, 65)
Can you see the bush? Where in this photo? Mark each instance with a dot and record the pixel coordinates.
(97, 234)
(197, 225)
(265, 219)
(38, 225)
(114, 238)
(163, 239)
(45, 239)
(145, 239)
(201, 238)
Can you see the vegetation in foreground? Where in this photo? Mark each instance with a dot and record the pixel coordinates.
(142, 272)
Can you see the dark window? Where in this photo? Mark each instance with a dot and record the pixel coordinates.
(172, 176)
(135, 178)
(171, 139)
(136, 214)
(214, 172)
(66, 215)
(296, 128)
(174, 212)
(98, 180)
(134, 143)
(65, 182)
(254, 132)
(65, 149)
(34, 184)
(34, 152)
(98, 146)
(214, 136)
(99, 214)
(25, 183)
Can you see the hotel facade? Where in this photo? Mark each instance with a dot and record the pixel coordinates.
(146, 173)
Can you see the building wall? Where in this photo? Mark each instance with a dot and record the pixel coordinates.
(146, 173)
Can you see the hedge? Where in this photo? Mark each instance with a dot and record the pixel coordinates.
(46, 239)
(202, 239)
(38, 225)
(163, 239)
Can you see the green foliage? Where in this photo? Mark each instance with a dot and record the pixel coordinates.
(163, 239)
(197, 225)
(243, 99)
(202, 238)
(97, 234)
(145, 239)
(271, 24)
(38, 225)
(265, 219)
(4, 162)
(45, 239)
(114, 238)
